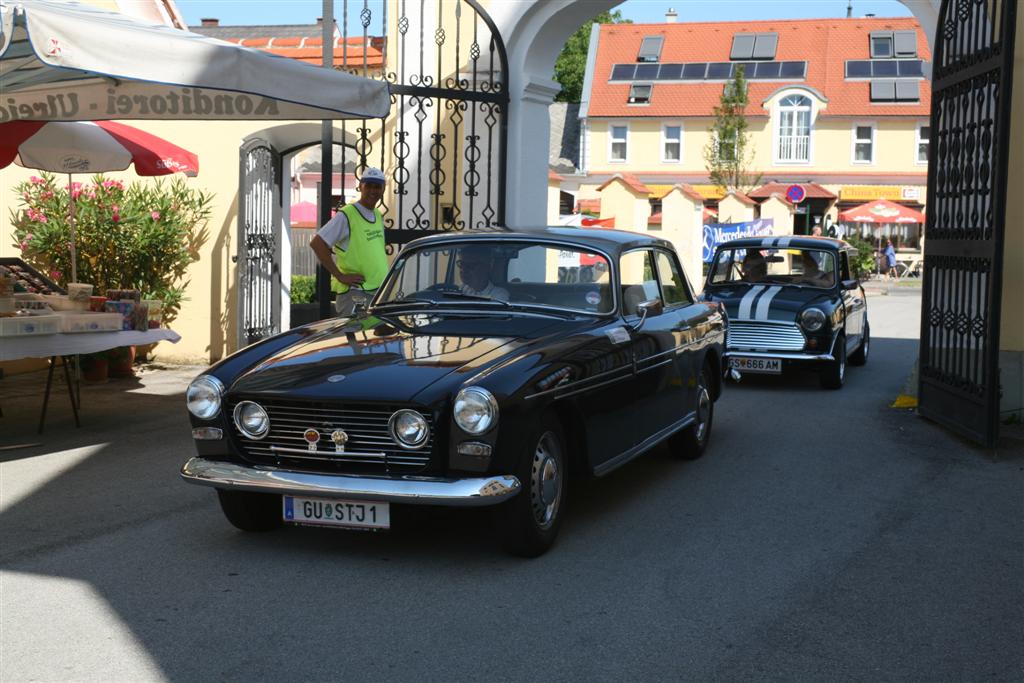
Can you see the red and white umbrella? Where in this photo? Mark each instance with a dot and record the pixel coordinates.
(881, 211)
(91, 147)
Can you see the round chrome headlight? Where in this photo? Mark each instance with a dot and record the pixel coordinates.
(408, 428)
(813, 319)
(203, 396)
(252, 420)
(476, 410)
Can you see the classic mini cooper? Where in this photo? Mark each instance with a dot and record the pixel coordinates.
(792, 302)
(487, 367)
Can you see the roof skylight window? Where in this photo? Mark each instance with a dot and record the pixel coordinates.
(650, 49)
(640, 93)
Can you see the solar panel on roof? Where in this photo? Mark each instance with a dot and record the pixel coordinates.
(718, 71)
(767, 70)
(694, 72)
(908, 91)
(794, 69)
(748, 68)
(670, 72)
(884, 68)
(623, 72)
(858, 69)
(764, 46)
(911, 67)
(742, 46)
(646, 71)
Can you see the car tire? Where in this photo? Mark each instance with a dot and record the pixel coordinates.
(528, 523)
(691, 442)
(860, 356)
(251, 511)
(834, 374)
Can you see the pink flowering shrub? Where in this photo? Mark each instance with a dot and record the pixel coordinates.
(138, 236)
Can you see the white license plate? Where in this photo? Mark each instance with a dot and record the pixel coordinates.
(360, 514)
(768, 366)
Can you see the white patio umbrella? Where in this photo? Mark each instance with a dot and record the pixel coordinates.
(70, 62)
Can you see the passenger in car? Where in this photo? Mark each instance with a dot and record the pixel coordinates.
(754, 267)
(813, 275)
(475, 264)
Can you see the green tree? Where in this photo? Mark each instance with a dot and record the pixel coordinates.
(729, 153)
(572, 62)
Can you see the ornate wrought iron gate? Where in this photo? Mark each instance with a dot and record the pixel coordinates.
(444, 145)
(259, 245)
(970, 127)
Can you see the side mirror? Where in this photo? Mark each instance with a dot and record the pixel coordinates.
(850, 284)
(646, 308)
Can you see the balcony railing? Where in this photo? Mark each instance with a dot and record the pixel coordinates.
(795, 148)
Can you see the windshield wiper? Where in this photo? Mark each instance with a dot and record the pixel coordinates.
(477, 297)
(407, 301)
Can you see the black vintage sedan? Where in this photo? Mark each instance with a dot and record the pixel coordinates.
(792, 302)
(488, 366)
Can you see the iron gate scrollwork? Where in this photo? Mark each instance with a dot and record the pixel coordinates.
(259, 244)
(965, 223)
(444, 144)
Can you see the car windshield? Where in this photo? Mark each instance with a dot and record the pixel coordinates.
(500, 274)
(806, 267)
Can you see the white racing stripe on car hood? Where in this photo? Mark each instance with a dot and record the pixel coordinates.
(748, 300)
(765, 303)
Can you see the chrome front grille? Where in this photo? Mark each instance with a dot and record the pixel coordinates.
(764, 336)
(369, 450)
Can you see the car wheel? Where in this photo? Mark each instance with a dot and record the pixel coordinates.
(690, 443)
(250, 511)
(834, 374)
(528, 524)
(860, 356)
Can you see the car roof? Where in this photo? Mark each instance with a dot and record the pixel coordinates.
(610, 241)
(786, 241)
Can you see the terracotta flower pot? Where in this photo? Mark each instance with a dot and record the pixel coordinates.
(121, 360)
(95, 370)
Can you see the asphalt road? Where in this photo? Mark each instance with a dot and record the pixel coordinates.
(824, 536)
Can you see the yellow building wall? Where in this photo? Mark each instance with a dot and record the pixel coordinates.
(681, 224)
(895, 147)
(781, 214)
(629, 209)
(732, 210)
(554, 194)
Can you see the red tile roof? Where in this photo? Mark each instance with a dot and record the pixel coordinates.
(825, 44)
(630, 180)
(811, 191)
(552, 176)
(588, 206)
(347, 54)
(744, 199)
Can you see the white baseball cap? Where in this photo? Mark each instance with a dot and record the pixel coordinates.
(373, 175)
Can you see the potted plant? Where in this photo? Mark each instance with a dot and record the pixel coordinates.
(120, 361)
(142, 236)
(95, 367)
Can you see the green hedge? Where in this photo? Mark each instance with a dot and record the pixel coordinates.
(303, 288)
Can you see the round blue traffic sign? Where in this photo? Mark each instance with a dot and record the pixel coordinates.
(795, 193)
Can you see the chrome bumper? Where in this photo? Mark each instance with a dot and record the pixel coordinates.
(470, 492)
(786, 355)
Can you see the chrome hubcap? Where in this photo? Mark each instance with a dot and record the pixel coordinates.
(703, 413)
(546, 481)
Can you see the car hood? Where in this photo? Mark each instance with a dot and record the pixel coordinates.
(390, 359)
(777, 303)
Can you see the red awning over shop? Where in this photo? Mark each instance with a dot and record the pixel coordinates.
(881, 211)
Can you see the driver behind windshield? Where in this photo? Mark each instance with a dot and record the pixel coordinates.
(475, 264)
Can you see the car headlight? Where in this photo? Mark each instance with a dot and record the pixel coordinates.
(408, 428)
(252, 420)
(813, 319)
(203, 396)
(476, 410)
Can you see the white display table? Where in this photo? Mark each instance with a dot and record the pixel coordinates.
(67, 345)
(49, 345)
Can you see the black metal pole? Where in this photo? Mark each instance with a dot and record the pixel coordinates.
(323, 278)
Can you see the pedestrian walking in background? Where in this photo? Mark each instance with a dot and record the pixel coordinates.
(890, 261)
(351, 246)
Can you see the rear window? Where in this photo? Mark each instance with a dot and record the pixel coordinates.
(804, 267)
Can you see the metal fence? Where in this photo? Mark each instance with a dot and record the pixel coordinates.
(303, 258)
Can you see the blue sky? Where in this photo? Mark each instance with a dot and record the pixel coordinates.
(246, 12)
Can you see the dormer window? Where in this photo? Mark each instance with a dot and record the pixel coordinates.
(640, 93)
(650, 49)
(754, 46)
(890, 44)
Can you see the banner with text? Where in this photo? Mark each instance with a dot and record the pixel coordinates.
(717, 233)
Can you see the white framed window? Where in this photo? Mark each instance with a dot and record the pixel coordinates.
(923, 142)
(618, 143)
(671, 143)
(863, 143)
(793, 130)
(725, 143)
(640, 93)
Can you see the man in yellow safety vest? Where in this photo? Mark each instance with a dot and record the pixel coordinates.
(355, 235)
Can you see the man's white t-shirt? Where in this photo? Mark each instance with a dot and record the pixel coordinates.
(336, 231)
(491, 291)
